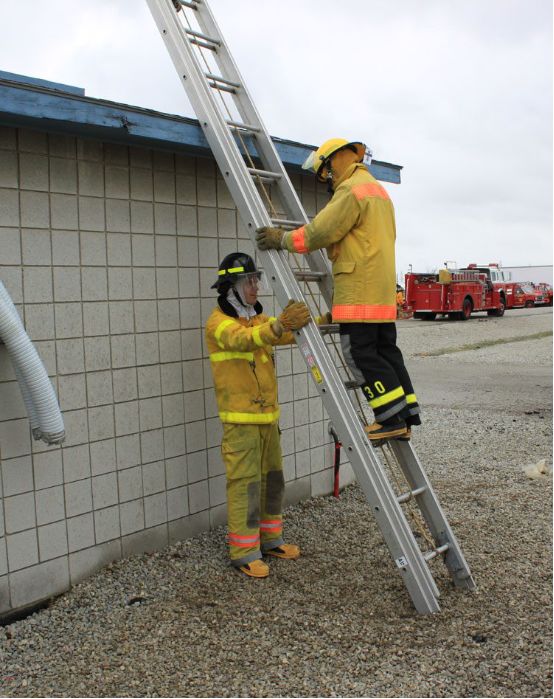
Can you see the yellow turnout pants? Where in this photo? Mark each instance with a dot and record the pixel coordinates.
(255, 488)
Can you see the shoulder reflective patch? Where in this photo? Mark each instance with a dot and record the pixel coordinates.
(370, 189)
(220, 328)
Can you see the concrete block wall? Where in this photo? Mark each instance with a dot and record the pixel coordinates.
(109, 252)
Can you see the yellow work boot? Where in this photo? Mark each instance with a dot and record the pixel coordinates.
(255, 569)
(406, 436)
(288, 551)
(376, 431)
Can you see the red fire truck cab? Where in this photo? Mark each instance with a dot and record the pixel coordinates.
(455, 293)
(522, 295)
(546, 290)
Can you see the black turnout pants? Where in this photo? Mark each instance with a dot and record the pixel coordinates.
(377, 364)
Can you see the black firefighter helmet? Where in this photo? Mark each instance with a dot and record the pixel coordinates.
(233, 267)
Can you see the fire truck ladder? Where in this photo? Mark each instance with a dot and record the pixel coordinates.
(212, 82)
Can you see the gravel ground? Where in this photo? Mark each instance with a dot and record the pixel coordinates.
(337, 622)
(417, 336)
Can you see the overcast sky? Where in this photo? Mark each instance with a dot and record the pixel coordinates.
(458, 92)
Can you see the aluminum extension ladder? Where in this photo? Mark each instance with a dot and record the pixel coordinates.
(207, 70)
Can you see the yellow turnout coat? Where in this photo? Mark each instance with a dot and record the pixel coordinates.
(358, 229)
(241, 357)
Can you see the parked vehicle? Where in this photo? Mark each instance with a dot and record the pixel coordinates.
(538, 295)
(455, 293)
(547, 293)
(520, 295)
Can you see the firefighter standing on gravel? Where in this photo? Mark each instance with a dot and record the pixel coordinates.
(358, 229)
(240, 340)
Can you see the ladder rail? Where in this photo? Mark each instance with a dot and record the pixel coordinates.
(221, 134)
(433, 513)
(399, 538)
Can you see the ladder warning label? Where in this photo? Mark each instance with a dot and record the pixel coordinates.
(317, 374)
(401, 562)
(311, 362)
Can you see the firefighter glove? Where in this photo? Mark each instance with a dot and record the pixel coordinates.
(325, 319)
(295, 315)
(268, 238)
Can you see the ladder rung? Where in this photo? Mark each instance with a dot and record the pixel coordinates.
(407, 496)
(219, 79)
(285, 223)
(350, 385)
(331, 329)
(245, 127)
(308, 276)
(223, 88)
(185, 3)
(203, 44)
(429, 555)
(204, 37)
(265, 174)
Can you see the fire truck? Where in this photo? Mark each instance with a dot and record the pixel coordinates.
(546, 290)
(455, 293)
(520, 295)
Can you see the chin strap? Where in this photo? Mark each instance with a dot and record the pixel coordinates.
(329, 178)
(238, 298)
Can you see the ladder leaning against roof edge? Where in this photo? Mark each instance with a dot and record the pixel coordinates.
(189, 28)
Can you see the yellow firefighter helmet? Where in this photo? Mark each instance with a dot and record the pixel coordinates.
(318, 159)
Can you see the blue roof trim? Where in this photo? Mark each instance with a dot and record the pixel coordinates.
(41, 107)
(27, 80)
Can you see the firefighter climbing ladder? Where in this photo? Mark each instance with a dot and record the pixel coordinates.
(208, 74)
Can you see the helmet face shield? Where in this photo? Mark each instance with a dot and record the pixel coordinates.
(309, 163)
(318, 160)
(249, 286)
(252, 280)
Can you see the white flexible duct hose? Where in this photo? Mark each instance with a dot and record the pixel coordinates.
(28, 400)
(37, 391)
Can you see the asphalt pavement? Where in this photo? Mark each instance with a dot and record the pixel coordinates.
(484, 376)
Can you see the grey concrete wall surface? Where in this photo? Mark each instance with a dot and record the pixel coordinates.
(108, 253)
